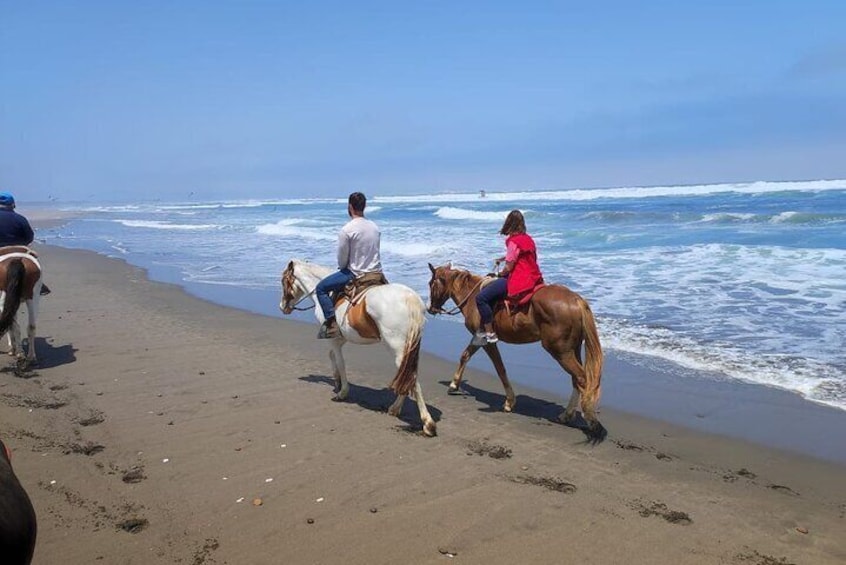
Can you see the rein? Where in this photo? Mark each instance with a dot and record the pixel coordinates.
(462, 302)
(303, 297)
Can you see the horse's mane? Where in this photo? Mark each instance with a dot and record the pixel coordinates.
(464, 276)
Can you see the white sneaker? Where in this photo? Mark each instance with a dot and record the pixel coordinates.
(491, 337)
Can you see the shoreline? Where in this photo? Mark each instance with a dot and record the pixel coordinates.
(751, 412)
(161, 428)
(651, 388)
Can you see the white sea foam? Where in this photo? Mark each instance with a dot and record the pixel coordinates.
(292, 227)
(783, 217)
(725, 217)
(450, 213)
(412, 249)
(158, 225)
(813, 380)
(759, 187)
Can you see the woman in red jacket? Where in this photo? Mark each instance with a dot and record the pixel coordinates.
(520, 275)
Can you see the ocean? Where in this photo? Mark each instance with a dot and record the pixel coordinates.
(737, 282)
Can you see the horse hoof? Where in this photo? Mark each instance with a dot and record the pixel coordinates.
(454, 390)
(430, 429)
(339, 398)
(596, 432)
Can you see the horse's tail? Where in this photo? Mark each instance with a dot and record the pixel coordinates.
(593, 359)
(406, 376)
(15, 275)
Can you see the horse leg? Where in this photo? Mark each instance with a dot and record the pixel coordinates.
(336, 374)
(340, 370)
(568, 416)
(12, 351)
(396, 344)
(570, 363)
(429, 426)
(395, 408)
(32, 311)
(462, 364)
(15, 339)
(493, 352)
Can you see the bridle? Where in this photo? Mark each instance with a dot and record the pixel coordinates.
(295, 306)
(458, 304)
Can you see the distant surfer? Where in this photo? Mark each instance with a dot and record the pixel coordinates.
(482, 193)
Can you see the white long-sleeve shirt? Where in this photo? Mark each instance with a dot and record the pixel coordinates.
(358, 247)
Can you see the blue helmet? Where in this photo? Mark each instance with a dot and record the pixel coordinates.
(6, 199)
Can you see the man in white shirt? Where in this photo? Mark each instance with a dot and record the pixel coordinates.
(358, 253)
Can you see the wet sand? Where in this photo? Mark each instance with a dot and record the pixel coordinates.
(162, 428)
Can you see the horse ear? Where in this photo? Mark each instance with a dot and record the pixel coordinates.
(431, 268)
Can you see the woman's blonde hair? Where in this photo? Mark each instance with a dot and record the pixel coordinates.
(514, 223)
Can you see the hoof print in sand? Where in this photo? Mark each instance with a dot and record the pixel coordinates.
(33, 402)
(204, 552)
(492, 451)
(756, 558)
(87, 448)
(133, 525)
(628, 446)
(660, 509)
(784, 489)
(92, 420)
(732, 476)
(134, 475)
(548, 483)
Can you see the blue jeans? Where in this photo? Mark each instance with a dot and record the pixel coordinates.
(336, 281)
(486, 298)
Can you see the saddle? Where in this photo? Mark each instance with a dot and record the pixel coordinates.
(17, 249)
(357, 287)
(354, 293)
(513, 304)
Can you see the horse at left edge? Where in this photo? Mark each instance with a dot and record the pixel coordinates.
(392, 314)
(20, 282)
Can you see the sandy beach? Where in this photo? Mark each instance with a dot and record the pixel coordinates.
(162, 428)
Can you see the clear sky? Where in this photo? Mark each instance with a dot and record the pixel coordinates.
(115, 100)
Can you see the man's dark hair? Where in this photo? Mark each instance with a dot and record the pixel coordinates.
(358, 201)
(514, 223)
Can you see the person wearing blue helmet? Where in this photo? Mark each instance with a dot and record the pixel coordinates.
(15, 228)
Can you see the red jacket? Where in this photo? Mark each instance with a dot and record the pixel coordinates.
(526, 274)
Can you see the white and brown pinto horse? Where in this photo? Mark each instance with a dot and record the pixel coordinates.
(20, 282)
(556, 316)
(392, 314)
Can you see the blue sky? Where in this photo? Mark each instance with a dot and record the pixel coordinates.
(139, 100)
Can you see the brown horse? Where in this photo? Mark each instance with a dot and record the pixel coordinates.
(20, 281)
(556, 316)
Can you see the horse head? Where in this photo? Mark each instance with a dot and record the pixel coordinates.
(299, 280)
(289, 287)
(439, 287)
